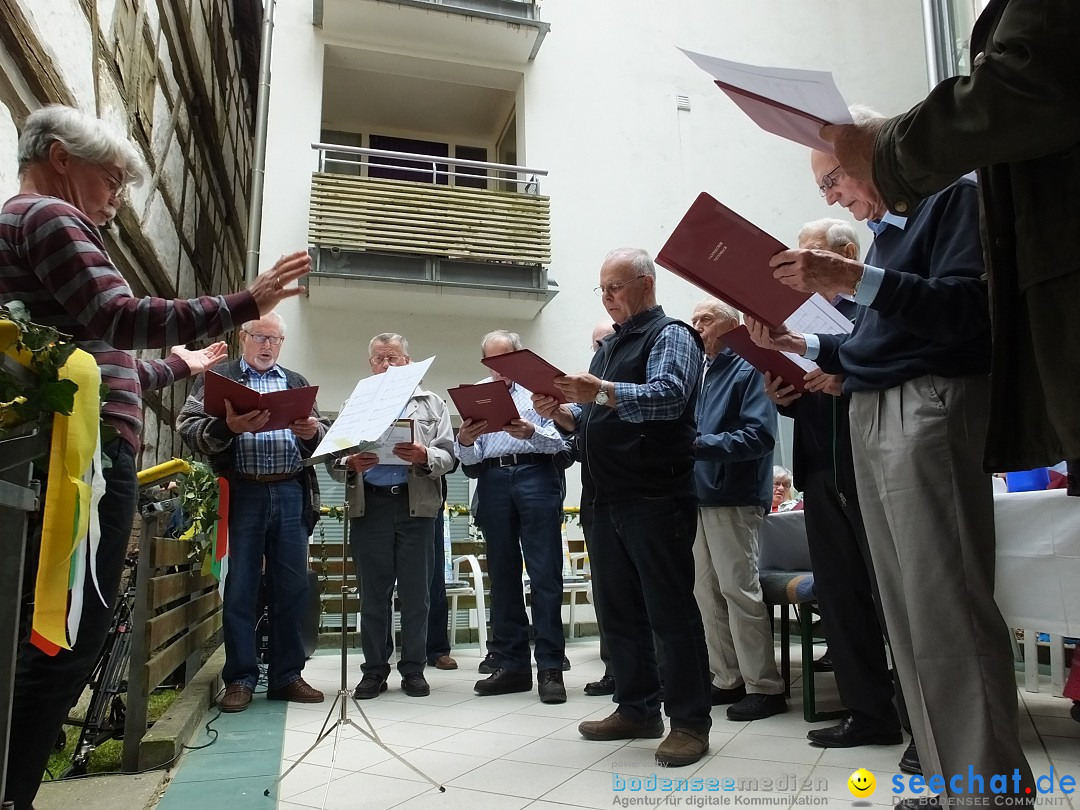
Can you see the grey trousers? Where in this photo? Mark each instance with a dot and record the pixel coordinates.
(738, 632)
(928, 509)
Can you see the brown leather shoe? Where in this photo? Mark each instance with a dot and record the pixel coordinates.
(445, 662)
(619, 727)
(683, 746)
(237, 698)
(299, 691)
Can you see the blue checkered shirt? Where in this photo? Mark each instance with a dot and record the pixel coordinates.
(546, 439)
(274, 451)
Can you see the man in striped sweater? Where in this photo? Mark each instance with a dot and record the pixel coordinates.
(72, 170)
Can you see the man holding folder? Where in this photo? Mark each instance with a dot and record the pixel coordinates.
(273, 507)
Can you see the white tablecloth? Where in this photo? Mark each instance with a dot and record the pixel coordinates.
(1038, 560)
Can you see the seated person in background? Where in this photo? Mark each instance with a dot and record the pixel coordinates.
(782, 490)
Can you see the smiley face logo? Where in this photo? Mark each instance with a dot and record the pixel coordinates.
(862, 784)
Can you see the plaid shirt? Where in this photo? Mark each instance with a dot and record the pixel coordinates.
(274, 451)
(546, 439)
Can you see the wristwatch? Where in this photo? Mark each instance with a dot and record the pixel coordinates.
(601, 395)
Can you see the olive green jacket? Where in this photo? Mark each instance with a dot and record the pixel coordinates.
(1016, 119)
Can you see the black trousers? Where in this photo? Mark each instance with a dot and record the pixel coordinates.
(46, 687)
(847, 594)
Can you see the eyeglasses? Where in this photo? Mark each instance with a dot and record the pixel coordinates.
(389, 359)
(114, 183)
(606, 289)
(273, 340)
(828, 181)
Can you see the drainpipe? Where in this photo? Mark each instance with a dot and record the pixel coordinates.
(258, 169)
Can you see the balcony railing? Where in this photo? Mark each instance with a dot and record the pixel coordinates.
(436, 215)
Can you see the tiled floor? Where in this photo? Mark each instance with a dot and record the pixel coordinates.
(511, 751)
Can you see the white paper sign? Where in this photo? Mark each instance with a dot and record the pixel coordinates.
(368, 416)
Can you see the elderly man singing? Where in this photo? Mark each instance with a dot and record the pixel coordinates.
(916, 366)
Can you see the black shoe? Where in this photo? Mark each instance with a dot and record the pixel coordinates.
(414, 684)
(565, 663)
(824, 664)
(851, 732)
(722, 697)
(1074, 712)
(503, 682)
(490, 664)
(370, 686)
(604, 686)
(549, 684)
(909, 762)
(757, 707)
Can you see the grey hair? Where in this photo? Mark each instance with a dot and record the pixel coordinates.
(640, 261)
(838, 233)
(721, 309)
(388, 337)
(861, 114)
(781, 472)
(513, 338)
(81, 134)
(269, 316)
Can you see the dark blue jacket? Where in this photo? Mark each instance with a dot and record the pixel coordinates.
(736, 433)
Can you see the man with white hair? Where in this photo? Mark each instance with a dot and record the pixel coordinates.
(733, 452)
(916, 366)
(72, 171)
(273, 508)
(520, 499)
(392, 509)
(633, 413)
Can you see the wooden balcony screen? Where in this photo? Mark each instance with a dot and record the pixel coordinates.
(394, 216)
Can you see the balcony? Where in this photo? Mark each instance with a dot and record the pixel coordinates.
(501, 31)
(459, 239)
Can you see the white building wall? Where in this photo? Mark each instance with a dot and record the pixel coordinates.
(598, 110)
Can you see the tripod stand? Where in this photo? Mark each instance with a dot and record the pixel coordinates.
(344, 695)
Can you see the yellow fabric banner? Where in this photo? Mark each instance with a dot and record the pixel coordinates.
(69, 505)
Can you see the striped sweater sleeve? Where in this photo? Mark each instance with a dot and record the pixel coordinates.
(69, 259)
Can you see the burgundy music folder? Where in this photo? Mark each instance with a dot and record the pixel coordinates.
(529, 370)
(490, 401)
(714, 248)
(285, 406)
(776, 363)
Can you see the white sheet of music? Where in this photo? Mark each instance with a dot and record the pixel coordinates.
(371, 410)
(817, 316)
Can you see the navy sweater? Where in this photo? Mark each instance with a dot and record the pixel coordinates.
(931, 315)
(736, 433)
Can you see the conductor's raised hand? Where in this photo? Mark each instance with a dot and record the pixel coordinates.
(469, 430)
(778, 391)
(250, 422)
(199, 360)
(780, 339)
(272, 286)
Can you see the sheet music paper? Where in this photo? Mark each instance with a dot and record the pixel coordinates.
(818, 317)
(791, 103)
(369, 414)
(400, 431)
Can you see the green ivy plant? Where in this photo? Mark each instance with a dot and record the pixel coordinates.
(41, 394)
(199, 493)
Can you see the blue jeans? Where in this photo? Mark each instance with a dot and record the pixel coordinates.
(265, 520)
(520, 509)
(642, 552)
(47, 686)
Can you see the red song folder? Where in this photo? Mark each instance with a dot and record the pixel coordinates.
(490, 401)
(728, 256)
(285, 406)
(765, 360)
(529, 370)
